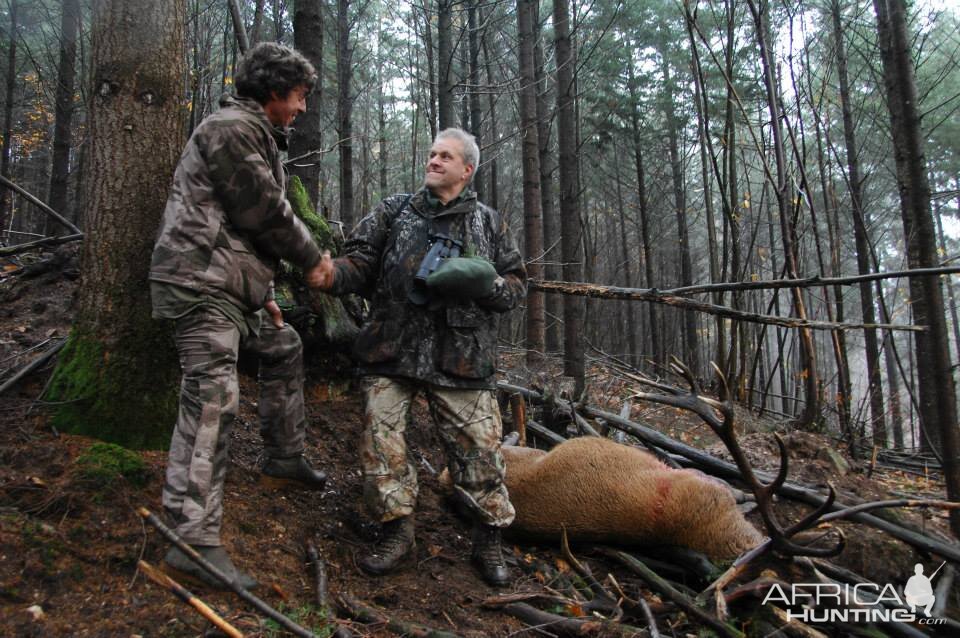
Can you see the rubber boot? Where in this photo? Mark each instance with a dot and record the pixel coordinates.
(396, 547)
(295, 471)
(488, 556)
(179, 566)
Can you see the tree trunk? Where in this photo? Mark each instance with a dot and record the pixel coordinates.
(5, 198)
(630, 311)
(62, 130)
(553, 307)
(344, 114)
(476, 109)
(937, 397)
(493, 194)
(308, 134)
(445, 63)
(532, 221)
(867, 306)
(808, 360)
(571, 248)
(117, 377)
(257, 22)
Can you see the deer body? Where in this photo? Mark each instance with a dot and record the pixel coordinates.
(603, 491)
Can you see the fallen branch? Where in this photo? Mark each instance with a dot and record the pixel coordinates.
(557, 625)
(7, 251)
(255, 602)
(655, 296)
(366, 614)
(665, 589)
(33, 365)
(603, 600)
(319, 574)
(186, 596)
(34, 200)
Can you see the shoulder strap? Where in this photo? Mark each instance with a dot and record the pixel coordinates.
(398, 211)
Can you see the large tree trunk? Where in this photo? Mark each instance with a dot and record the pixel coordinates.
(62, 128)
(937, 397)
(867, 307)
(308, 135)
(344, 114)
(117, 376)
(476, 109)
(532, 221)
(572, 253)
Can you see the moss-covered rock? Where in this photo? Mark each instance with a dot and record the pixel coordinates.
(105, 463)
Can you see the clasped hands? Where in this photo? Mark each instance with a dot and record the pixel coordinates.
(321, 275)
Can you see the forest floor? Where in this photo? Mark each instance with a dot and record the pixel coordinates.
(70, 540)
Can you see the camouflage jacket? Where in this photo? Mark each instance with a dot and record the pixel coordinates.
(446, 342)
(228, 222)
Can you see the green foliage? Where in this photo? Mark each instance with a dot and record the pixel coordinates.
(307, 615)
(105, 463)
(124, 394)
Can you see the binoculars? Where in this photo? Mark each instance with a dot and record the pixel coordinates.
(441, 247)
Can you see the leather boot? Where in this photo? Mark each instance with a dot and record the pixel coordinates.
(294, 471)
(397, 544)
(487, 555)
(179, 566)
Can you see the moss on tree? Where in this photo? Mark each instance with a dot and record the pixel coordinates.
(124, 399)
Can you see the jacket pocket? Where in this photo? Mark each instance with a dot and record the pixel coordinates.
(468, 350)
(378, 341)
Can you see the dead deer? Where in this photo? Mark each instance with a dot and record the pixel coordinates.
(604, 491)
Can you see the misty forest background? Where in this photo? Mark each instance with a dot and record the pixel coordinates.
(645, 145)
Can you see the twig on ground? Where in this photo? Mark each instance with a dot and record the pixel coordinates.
(186, 596)
(258, 604)
(33, 365)
(366, 614)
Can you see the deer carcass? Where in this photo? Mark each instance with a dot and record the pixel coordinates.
(603, 491)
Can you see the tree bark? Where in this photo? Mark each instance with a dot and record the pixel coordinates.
(308, 134)
(444, 63)
(571, 249)
(117, 377)
(344, 114)
(530, 144)
(62, 128)
(476, 109)
(937, 397)
(5, 197)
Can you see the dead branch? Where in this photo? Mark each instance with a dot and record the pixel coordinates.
(366, 614)
(249, 598)
(665, 589)
(33, 365)
(903, 502)
(653, 295)
(8, 251)
(318, 151)
(603, 600)
(186, 596)
(575, 627)
(319, 574)
(36, 202)
(518, 409)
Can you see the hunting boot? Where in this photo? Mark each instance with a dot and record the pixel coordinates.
(488, 556)
(292, 471)
(179, 566)
(397, 544)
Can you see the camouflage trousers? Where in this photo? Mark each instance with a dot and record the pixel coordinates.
(470, 426)
(208, 344)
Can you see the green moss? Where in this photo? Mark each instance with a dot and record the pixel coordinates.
(124, 393)
(105, 463)
(318, 226)
(307, 615)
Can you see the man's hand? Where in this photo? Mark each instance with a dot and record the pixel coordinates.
(322, 274)
(274, 311)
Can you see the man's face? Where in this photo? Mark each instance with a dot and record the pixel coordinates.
(281, 111)
(447, 173)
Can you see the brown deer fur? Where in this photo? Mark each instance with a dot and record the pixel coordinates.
(607, 492)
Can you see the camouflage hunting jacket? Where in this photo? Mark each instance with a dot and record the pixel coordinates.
(446, 342)
(228, 222)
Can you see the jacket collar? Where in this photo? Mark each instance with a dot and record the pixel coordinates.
(255, 109)
(429, 206)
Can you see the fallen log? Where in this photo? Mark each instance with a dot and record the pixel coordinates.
(33, 365)
(366, 614)
(556, 625)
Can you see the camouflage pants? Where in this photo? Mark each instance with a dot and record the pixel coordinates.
(469, 423)
(208, 343)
